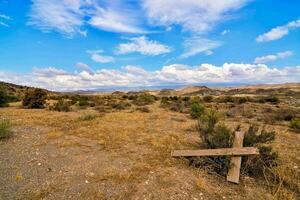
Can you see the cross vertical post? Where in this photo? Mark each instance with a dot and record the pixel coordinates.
(235, 162)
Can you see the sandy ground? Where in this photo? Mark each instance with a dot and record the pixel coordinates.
(119, 155)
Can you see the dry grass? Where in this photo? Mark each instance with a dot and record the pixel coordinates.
(126, 155)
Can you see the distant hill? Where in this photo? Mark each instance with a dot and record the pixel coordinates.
(195, 90)
(14, 90)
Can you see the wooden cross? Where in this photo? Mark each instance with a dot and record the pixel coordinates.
(236, 152)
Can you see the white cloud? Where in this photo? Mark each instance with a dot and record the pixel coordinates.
(278, 32)
(83, 67)
(57, 79)
(69, 17)
(270, 58)
(116, 20)
(3, 24)
(198, 16)
(196, 45)
(144, 46)
(63, 16)
(6, 17)
(225, 32)
(97, 57)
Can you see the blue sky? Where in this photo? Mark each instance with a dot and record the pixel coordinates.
(88, 44)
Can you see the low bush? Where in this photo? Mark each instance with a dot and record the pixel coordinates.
(208, 98)
(216, 135)
(268, 99)
(34, 98)
(196, 110)
(144, 99)
(5, 128)
(121, 105)
(195, 99)
(61, 106)
(241, 100)
(285, 114)
(295, 125)
(259, 165)
(177, 106)
(83, 102)
(4, 99)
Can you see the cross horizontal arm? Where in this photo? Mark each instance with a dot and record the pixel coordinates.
(217, 152)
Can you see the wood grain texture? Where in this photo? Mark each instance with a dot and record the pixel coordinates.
(235, 162)
(216, 152)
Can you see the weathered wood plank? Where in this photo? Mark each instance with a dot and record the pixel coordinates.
(235, 162)
(217, 152)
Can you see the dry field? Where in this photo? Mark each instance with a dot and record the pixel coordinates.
(125, 154)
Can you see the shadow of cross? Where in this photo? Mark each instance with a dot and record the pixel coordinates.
(236, 152)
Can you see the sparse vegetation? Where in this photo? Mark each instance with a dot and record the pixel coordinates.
(143, 99)
(61, 106)
(5, 128)
(208, 98)
(215, 135)
(88, 117)
(34, 98)
(295, 124)
(131, 142)
(4, 99)
(197, 110)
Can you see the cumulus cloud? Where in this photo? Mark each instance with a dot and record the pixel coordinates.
(143, 46)
(278, 32)
(192, 15)
(196, 45)
(57, 79)
(97, 57)
(270, 58)
(83, 67)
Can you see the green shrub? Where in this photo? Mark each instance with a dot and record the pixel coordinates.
(295, 125)
(61, 106)
(121, 105)
(208, 98)
(258, 165)
(270, 99)
(195, 99)
(83, 102)
(196, 110)
(214, 135)
(4, 99)
(34, 98)
(5, 128)
(242, 100)
(144, 99)
(285, 114)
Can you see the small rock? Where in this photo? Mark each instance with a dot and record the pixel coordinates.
(39, 164)
(86, 181)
